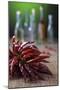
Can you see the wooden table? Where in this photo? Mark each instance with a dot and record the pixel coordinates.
(53, 66)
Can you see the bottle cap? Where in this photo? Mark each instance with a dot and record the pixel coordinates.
(50, 18)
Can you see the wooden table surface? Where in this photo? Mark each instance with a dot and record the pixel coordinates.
(53, 66)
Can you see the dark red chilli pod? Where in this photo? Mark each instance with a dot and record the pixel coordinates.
(26, 59)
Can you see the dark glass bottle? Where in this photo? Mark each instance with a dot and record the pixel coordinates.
(41, 27)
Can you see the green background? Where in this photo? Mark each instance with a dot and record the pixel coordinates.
(25, 6)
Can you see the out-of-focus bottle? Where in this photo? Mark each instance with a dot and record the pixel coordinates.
(41, 27)
(26, 24)
(50, 35)
(32, 26)
(19, 33)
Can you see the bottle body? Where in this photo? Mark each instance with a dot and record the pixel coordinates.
(41, 28)
(42, 32)
(19, 33)
(26, 32)
(29, 27)
(32, 32)
(26, 24)
(32, 26)
(50, 33)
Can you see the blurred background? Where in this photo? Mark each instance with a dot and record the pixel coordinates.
(36, 22)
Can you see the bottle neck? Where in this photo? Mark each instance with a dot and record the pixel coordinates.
(50, 20)
(41, 14)
(18, 20)
(33, 18)
(26, 18)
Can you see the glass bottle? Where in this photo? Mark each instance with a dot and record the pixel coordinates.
(26, 24)
(19, 33)
(50, 29)
(41, 27)
(32, 26)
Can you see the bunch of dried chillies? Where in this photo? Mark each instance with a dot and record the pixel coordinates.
(25, 60)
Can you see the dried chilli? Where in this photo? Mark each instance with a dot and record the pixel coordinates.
(26, 61)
